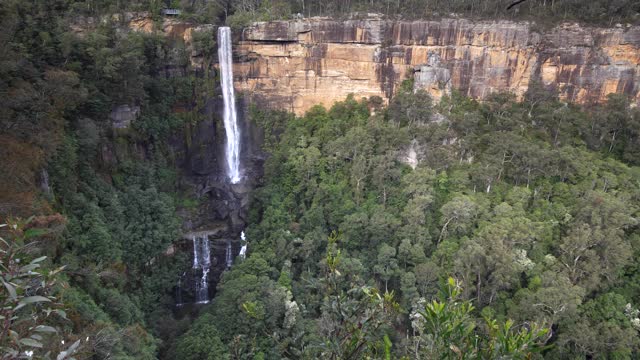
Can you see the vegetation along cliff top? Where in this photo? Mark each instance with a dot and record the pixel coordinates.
(464, 187)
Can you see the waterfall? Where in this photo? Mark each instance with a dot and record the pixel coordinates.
(202, 261)
(229, 255)
(179, 290)
(195, 253)
(243, 249)
(230, 115)
(44, 185)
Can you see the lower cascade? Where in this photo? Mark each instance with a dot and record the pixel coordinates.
(210, 258)
(201, 261)
(179, 300)
(243, 249)
(229, 255)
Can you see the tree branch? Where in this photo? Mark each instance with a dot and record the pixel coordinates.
(515, 3)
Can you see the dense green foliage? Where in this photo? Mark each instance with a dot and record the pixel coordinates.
(532, 206)
(542, 11)
(547, 12)
(115, 187)
(30, 315)
(241, 12)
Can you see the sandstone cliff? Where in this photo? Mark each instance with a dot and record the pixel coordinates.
(297, 64)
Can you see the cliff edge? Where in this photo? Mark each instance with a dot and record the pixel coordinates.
(296, 64)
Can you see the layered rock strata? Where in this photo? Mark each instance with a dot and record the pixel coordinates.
(294, 65)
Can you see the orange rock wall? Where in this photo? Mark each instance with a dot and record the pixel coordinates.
(296, 64)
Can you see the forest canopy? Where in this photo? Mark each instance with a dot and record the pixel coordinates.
(412, 229)
(531, 205)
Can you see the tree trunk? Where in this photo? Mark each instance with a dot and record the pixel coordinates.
(478, 283)
(613, 140)
(444, 228)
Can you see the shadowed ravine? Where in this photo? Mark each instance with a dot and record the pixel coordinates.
(215, 249)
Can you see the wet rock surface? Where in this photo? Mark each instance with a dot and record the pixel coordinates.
(221, 211)
(122, 116)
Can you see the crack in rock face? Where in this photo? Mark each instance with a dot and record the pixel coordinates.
(372, 57)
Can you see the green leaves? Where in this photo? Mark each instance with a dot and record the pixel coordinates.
(11, 289)
(25, 321)
(70, 351)
(451, 330)
(506, 340)
(45, 329)
(33, 299)
(354, 321)
(32, 233)
(250, 307)
(31, 343)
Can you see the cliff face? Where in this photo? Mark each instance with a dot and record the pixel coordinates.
(198, 150)
(296, 64)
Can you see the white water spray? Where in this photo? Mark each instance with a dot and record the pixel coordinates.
(202, 260)
(243, 249)
(229, 255)
(195, 253)
(230, 115)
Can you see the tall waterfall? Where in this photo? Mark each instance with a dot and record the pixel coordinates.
(230, 115)
(202, 261)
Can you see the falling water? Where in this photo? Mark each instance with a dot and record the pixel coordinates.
(195, 253)
(202, 261)
(179, 290)
(45, 182)
(229, 255)
(230, 115)
(243, 249)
